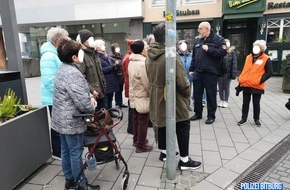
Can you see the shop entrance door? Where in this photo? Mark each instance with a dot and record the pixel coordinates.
(242, 34)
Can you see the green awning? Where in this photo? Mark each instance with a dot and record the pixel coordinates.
(244, 15)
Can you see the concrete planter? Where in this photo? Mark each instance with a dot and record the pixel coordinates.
(24, 146)
(286, 78)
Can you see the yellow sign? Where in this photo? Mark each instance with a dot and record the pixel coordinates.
(169, 17)
(241, 3)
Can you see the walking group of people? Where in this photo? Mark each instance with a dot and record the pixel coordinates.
(80, 77)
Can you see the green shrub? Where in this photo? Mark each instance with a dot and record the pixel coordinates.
(283, 65)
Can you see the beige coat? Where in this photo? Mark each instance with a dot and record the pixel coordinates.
(138, 80)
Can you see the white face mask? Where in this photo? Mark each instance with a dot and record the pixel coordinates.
(256, 50)
(91, 42)
(103, 48)
(117, 50)
(228, 44)
(81, 55)
(183, 46)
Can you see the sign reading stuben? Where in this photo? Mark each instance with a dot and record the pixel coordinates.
(243, 6)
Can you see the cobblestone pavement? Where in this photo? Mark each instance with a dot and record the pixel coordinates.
(225, 149)
(280, 172)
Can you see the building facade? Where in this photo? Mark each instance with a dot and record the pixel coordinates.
(241, 21)
(110, 20)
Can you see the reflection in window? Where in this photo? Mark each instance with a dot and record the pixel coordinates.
(278, 30)
(273, 54)
(285, 53)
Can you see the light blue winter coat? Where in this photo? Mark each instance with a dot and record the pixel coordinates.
(49, 64)
(186, 61)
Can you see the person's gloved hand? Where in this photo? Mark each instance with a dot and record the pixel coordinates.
(238, 89)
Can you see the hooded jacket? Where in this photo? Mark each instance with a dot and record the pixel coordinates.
(155, 65)
(49, 64)
(91, 68)
(186, 61)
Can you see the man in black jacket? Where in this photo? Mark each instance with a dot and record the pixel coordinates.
(208, 50)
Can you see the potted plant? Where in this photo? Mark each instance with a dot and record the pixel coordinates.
(24, 140)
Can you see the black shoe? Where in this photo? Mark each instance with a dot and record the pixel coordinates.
(209, 121)
(123, 106)
(89, 187)
(162, 156)
(257, 122)
(195, 117)
(242, 122)
(189, 165)
(69, 184)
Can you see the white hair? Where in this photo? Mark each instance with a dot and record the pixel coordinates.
(99, 43)
(56, 33)
(261, 44)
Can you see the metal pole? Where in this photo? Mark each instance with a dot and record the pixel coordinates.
(10, 28)
(170, 54)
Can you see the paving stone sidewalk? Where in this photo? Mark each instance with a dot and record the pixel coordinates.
(225, 149)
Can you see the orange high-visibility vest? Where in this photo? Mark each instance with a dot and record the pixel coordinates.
(253, 71)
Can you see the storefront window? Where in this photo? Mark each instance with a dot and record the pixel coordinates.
(163, 2)
(188, 35)
(278, 30)
(197, 1)
(31, 38)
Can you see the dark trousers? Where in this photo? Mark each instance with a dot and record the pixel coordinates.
(55, 139)
(246, 105)
(130, 119)
(108, 99)
(101, 103)
(207, 81)
(224, 88)
(140, 127)
(119, 96)
(182, 133)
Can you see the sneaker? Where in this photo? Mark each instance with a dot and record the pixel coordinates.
(162, 156)
(189, 165)
(257, 122)
(221, 104)
(55, 157)
(242, 122)
(203, 104)
(147, 148)
(225, 105)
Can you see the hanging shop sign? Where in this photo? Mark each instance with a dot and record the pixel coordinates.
(185, 13)
(272, 5)
(243, 6)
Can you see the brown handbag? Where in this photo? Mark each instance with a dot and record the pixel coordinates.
(102, 120)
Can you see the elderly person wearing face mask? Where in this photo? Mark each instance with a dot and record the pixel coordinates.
(116, 58)
(49, 64)
(109, 72)
(186, 58)
(91, 68)
(257, 70)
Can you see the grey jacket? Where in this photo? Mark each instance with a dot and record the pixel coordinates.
(71, 96)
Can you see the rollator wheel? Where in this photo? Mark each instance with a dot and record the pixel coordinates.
(125, 180)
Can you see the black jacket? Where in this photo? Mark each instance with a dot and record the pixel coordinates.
(209, 61)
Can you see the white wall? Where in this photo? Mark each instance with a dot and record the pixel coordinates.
(41, 11)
